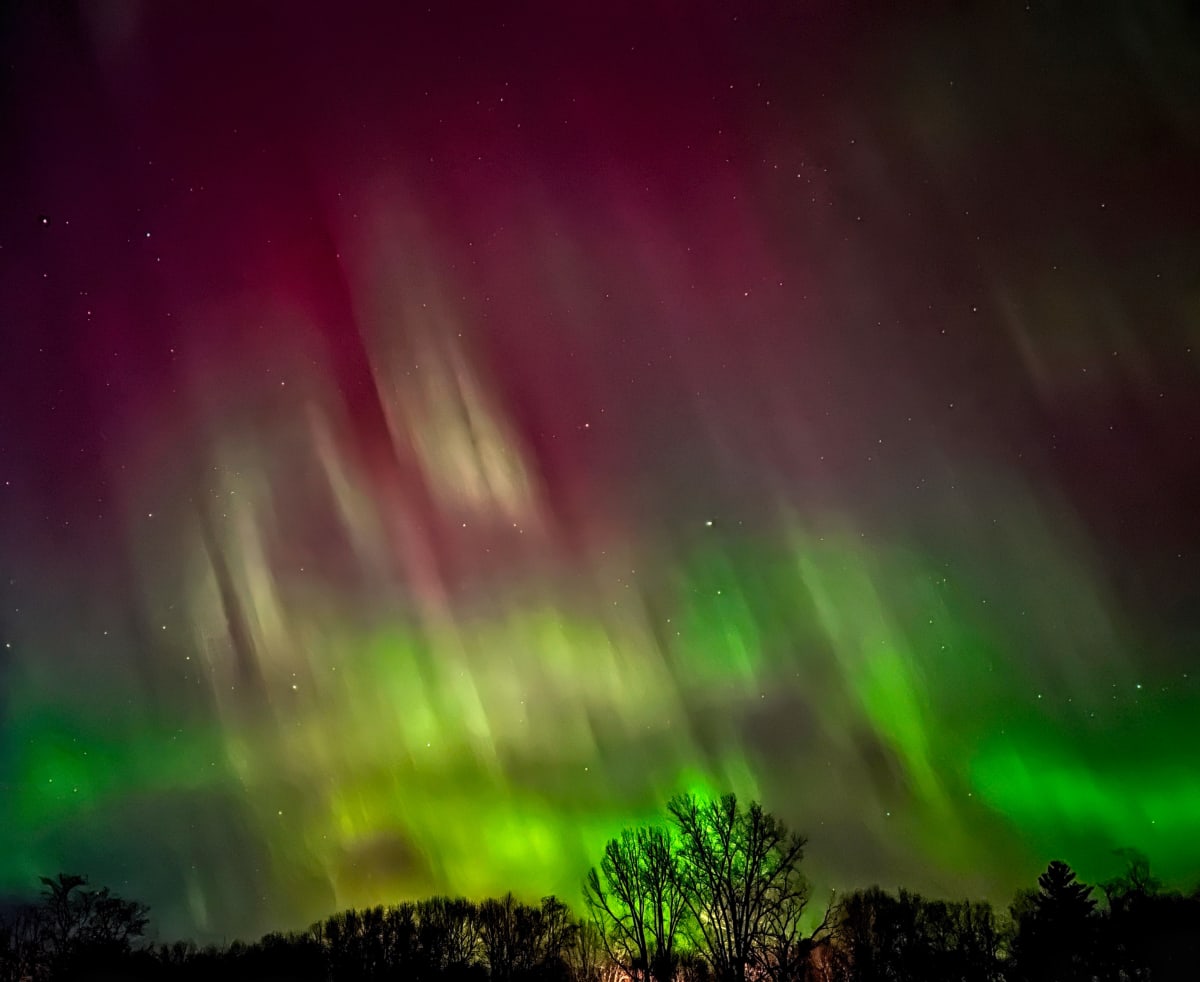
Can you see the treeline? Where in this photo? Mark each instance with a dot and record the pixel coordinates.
(69, 937)
(716, 893)
(712, 894)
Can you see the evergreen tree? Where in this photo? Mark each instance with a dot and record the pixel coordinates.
(1057, 929)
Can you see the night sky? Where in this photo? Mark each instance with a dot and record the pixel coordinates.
(431, 438)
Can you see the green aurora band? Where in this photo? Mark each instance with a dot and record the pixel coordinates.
(501, 748)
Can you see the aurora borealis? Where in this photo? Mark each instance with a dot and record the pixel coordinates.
(430, 438)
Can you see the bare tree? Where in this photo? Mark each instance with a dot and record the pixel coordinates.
(880, 935)
(554, 935)
(784, 951)
(64, 909)
(96, 922)
(587, 955)
(518, 939)
(22, 946)
(448, 930)
(738, 872)
(636, 903)
(501, 935)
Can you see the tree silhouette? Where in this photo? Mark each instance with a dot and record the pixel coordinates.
(880, 936)
(720, 877)
(1150, 934)
(587, 955)
(72, 930)
(64, 905)
(82, 925)
(22, 945)
(520, 942)
(502, 934)
(876, 933)
(1056, 937)
(738, 871)
(448, 934)
(785, 949)
(636, 902)
(554, 939)
(963, 939)
(356, 943)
